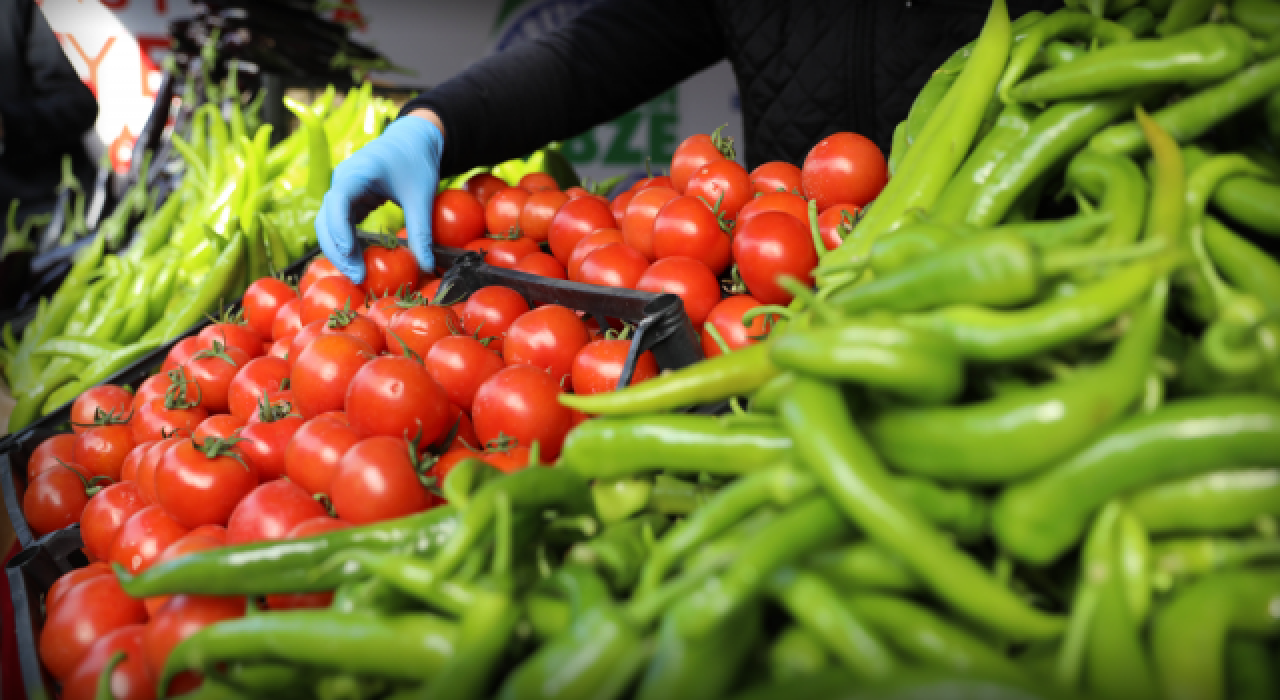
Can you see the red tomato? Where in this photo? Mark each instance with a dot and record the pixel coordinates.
(588, 245)
(181, 617)
(48, 453)
(502, 212)
(688, 279)
(773, 244)
(233, 335)
(483, 186)
(577, 218)
(313, 456)
(129, 470)
(686, 226)
(328, 295)
(317, 270)
(523, 403)
(723, 185)
(288, 320)
(490, 311)
(613, 265)
(538, 182)
(507, 252)
(727, 318)
(159, 418)
(460, 364)
(637, 223)
(264, 445)
(430, 289)
(195, 489)
(695, 152)
(70, 580)
(270, 511)
(56, 498)
(143, 537)
(396, 397)
(837, 223)
(541, 264)
(381, 311)
(792, 204)
(262, 300)
(653, 181)
(151, 461)
(844, 168)
(105, 514)
(457, 219)
(130, 680)
(419, 328)
(389, 270)
(181, 353)
(619, 205)
(261, 374)
(547, 338)
(156, 386)
(538, 211)
(480, 245)
(777, 176)
(223, 425)
(102, 450)
(309, 332)
(324, 369)
(280, 348)
(87, 612)
(303, 601)
(358, 325)
(598, 367)
(377, 481)
(213, 369)
(103, 400)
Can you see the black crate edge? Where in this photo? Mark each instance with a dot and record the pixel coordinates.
(31, 573)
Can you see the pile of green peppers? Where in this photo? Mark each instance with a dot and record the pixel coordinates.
(243, 210)
(992, 454)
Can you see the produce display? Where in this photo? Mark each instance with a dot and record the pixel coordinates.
(1001, 424)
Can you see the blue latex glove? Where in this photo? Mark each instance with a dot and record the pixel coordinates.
(401, 165)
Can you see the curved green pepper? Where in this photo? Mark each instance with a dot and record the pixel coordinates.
(1252, 202)
(615, 447)
(1011, 126)
(1116, 185)
(1063, 24)
(1216, 502)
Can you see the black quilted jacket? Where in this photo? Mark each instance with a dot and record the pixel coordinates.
(805, 69)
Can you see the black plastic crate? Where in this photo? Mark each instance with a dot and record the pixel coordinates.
(31, 573)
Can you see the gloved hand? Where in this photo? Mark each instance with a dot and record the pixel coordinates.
(403, 165)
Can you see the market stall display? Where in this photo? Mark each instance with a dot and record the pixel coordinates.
(1003, 424)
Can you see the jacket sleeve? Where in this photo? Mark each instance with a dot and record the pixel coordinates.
(61, 107)
(611, 58)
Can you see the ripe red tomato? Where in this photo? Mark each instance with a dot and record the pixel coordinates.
(724, 185)
(653, 181)
(792, 204)
(844, 168)
(102, 450)
(56, 498)
(319, 268)
(358, 325)
(328, 295)
(777, 176)
(268, 374)
(324, 369)
(86, 613)
(836, 223)
(538, 211)
(48, 453)
(158, 418)
(70, 580)
(388, 270)
(541, 264)
(773, 244)
(637, 223)
(430, 289)
(196, 489)
(377, 481)
(280, 348)
(105, 514)
(181, 617)
(223, 426)
(145, 477)
(483, 186)
(688, 279)
(613, 265)
(288, 320)
(396, 397)
(381, 311)
(314, 455)
(129, 470)
(131, 679)
(619, 205)
(270, 511)
(303, 601)
(143, 537)
(502, 212)
(577, 218)
(156, 386)
(420, 328)
(523, 403)
(686, 226)
(264, 444)
(598, 367)
(689, 157)
(480, 245)
(262, 300)
(547, 338)
(539, 182)
(181, 353)
(232, 335)
(213, 369)
(588, 245)
(507, 252)
(457, 219)
(309, 332)
(460, 364)
(490, 311)
(727, 319)
(104, 400)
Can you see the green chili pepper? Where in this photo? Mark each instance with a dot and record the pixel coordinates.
(898, 147)
(1117, 186)
(933, 92)
(1176, 561)
(319, 169)
(409, 574)
(913, 684)
(1063, 24)
(1050, 235)
(703, 668)
(865, 565)
(1182, 15)
(911, 242)
(77, 347)
(1059, 53)
(1250, 670)
(615, 447)
(1037, 427)
(1251, 202)
(1189, 636)
(1216, 502)
(1038, 519)
(846, 633)
(831, 446)
(1012, 125)
(219, 285)
(796, 652)
(1138, 20)
(621, 550)
(1261, 17)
